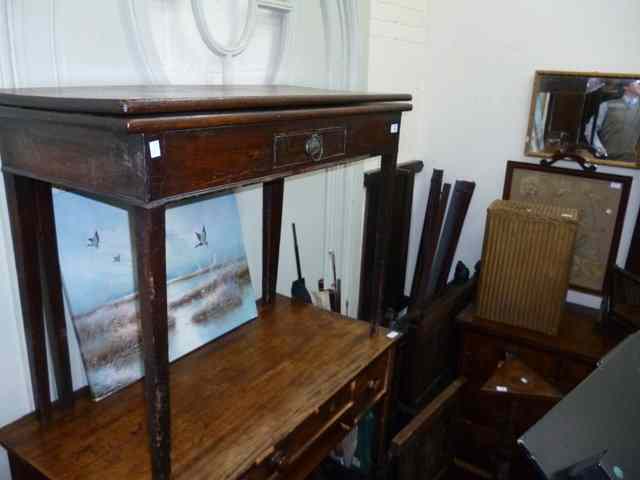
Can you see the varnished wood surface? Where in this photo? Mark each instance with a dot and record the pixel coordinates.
(232, 401)
(577, 336)
(136, 99)
(425, 418)
(388, 164)
(23, 213)
(398, 246)
(562, 360)
(272, 199)
(514, 377)
(51, 280)
(156, 123)
(429, 355)
(148, 231)
(425, 448)
(118, 165)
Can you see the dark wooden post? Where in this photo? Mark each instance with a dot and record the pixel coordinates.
(633, 258)
(21, 200)
(272, 196)
(394, 296)
(148, 227)
(52, 292)
(388, 172)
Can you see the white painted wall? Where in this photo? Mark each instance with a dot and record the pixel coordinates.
(397, 63)
(480, 61)
(72, 42)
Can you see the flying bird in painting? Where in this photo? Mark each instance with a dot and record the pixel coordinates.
(116, 258)
(94, 241)
(202, 238)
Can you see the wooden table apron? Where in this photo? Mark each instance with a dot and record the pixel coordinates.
(116, 159)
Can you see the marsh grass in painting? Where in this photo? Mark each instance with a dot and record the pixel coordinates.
(209, 289)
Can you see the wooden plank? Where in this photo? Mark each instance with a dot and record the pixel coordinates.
(442, 207)
(428, 241)
(272, 197)
(451, 231)
(424, 419)
(52, 293)
(148, 227)
(24, 227)
(388, 169)
(398, 246)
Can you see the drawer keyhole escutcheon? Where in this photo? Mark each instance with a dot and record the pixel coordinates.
(313, 147)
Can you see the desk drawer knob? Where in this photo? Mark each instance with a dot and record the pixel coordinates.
(313, 147)
(373, 384)
(278, 459)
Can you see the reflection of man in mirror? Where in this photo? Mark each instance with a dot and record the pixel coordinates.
(618, 125)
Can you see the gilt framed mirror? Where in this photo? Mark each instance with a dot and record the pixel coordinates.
(597, 115)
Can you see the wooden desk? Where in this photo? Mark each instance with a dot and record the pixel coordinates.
(268, 400)
(256, 398)
(563, 361)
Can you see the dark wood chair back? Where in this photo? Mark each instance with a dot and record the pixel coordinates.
(427, 358)
(425, 448)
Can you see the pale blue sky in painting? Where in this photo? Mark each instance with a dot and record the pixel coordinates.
(95, 276)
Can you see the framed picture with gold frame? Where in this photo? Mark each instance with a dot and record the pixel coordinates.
(601, 200)
(597, 115)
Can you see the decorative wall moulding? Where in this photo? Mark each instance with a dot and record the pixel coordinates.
(227, 52)
(138, 24)
(199, 15)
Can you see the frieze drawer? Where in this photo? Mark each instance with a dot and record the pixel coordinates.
(334, 419)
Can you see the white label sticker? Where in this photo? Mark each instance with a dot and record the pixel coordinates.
(500, 388)
(394, 128)
(615, 185)
(154, 148)
(393, 334)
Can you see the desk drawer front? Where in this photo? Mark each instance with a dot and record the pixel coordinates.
(207, 159)
(370, 385)
(320, 432)
(332, 413)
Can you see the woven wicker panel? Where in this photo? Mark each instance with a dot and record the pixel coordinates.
(526, 263)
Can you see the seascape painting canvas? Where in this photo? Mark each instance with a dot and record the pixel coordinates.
(209, 289)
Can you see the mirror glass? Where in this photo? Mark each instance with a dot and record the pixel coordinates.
(597, 115)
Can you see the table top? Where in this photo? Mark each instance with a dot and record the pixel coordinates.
(149, 99)
(231, 401)
(578, 334)
(514, 378)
